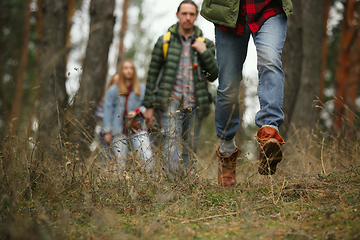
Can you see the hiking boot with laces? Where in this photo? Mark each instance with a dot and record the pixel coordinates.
(270, 143)
(227, 168)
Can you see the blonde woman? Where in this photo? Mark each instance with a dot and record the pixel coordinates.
(123, 121)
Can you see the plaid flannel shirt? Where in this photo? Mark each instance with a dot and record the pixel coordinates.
(184, 86)
(255, 12)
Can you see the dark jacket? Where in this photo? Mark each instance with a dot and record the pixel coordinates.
(207, 70)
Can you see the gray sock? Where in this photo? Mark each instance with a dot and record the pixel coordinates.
(227, 147)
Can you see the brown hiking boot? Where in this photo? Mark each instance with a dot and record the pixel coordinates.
(270, 143)
(227, 168)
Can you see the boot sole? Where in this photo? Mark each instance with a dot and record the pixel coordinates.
(270, 156)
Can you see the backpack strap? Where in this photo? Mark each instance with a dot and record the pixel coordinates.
(166, 41)
(202, 38)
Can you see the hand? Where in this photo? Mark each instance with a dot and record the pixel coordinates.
(149, 113)
(108, 137)
(131, 115)
(199, 45)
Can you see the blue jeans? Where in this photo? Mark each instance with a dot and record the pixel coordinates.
(139, 142)
(178, 127)
(231, 50)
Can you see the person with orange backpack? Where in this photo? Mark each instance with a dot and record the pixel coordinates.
(176, 96)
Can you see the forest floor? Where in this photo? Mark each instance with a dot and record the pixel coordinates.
(314, 195)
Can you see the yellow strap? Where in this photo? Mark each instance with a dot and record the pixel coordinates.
(202, 38)
(166, 41)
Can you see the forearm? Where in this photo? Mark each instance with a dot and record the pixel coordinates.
(209, 64)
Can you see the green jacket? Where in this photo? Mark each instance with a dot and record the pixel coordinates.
(159, 95)
(225, 12)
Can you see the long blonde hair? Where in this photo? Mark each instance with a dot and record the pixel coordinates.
(135, 80)
(112, 81)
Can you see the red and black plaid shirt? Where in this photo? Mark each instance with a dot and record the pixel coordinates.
(256, 12)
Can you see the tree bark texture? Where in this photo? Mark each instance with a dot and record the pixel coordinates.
(4, 106)
(324, 50)
(354, 79)
(37, 81)
(306, 114)
(292, 64)
(343, 67)
(52, 96)
(4, 102)
(2, 86)
(124, 23)
(302, 65)
(70, 14)
(94, 73)
(353, 86)
(18, 94)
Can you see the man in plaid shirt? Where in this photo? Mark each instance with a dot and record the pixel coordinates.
(235, 21)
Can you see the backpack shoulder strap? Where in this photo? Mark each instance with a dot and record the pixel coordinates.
(166, 41)
(202, 38)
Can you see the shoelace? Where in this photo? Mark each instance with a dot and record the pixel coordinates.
(228, 165)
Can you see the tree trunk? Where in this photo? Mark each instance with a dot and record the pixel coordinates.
(71, 10)
(3, 99)
(94, 72)
(123, 30)
(292, 64)
(343, 67)
(324, 50)
(52, 96)
(352, 88)
(37, 81)
(4, 102)
(18, 95)
(305, 113)
(2, 85)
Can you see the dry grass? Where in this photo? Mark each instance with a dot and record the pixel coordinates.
(314, 195)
